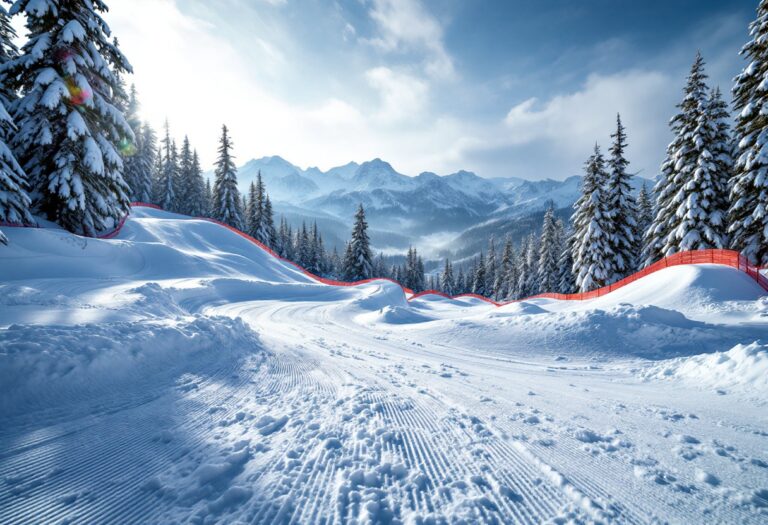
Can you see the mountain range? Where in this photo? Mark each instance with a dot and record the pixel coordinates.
(450, 215)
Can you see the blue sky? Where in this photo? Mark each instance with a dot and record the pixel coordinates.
(503, 88)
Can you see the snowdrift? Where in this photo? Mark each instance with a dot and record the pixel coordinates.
(743, 367)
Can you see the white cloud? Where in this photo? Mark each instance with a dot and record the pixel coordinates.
(405, 25)
(571, 123)
(403, 96)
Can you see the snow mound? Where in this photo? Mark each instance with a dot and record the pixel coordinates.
(394, 315)
(39, 362)
(152, 244)
(741, 367)
(519, 308)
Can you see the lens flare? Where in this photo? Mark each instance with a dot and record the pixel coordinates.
(126, 147)
(77, 95)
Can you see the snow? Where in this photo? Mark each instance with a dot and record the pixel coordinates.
(743, 366)
(178, 373)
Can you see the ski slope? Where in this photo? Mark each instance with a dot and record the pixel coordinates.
(179, 374)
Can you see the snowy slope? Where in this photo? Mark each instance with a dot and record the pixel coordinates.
(179, 374)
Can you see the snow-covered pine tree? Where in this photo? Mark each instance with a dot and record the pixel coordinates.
(643, 222)
(519, 285)
(198, 199)
(723, 151)
(622, 207)
(503, 277)
(14, 200)
(251, 211)
(208, 198)
(357, 260)
(491, 268)
(303, 247)
(479, 280)
(592, 256)
(69, 129)
(8, 52)
(284, 235)
(566, 281)
(749, 187)
(166, 178)
(447, 282)
(269, 225)
(549, 253)
(420, 273)
(185, 179)
(460, 285)
(143, 165)
(179, 179)
(315, 257)
(226, 197)
(379, 266)
(529, 277)
(134, 171)
(689, 214)
(334, 264)
(157, 177)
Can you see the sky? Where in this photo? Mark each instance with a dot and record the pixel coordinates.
(520, 88)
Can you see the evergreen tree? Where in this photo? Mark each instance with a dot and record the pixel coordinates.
(304, 247)
(8, 52)
(256, 216)
(185, 179)
(379, 266)
(226, 197)
(528, 280)
(501, 285)
(461, 280)
(592, 256)
(689, 193)
(128, 150)
(491, 269)
(447, 282)
(138, 156)
(166, 196)
(645, 216)
(143, 165)
(315, 247)
(173, 174)
(510, 277)
(208, 198)
(269, 225)
(479, 280)
(622, 208)
(284, 241)
(749, 187)
(158, 184)
(549, 253)
(357, 260)
(14, 200)
(566, 282)
(251, 211)
(334, 264)
(197, 194)
(69, 128)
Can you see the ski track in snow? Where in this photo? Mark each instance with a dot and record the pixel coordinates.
(341, 411)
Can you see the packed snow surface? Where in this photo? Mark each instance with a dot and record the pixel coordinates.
(179, 374)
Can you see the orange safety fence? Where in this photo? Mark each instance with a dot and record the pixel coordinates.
(724, 257)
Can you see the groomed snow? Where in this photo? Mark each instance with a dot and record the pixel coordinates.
(180, 374)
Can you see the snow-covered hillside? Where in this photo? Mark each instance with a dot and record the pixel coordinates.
(178, 373)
